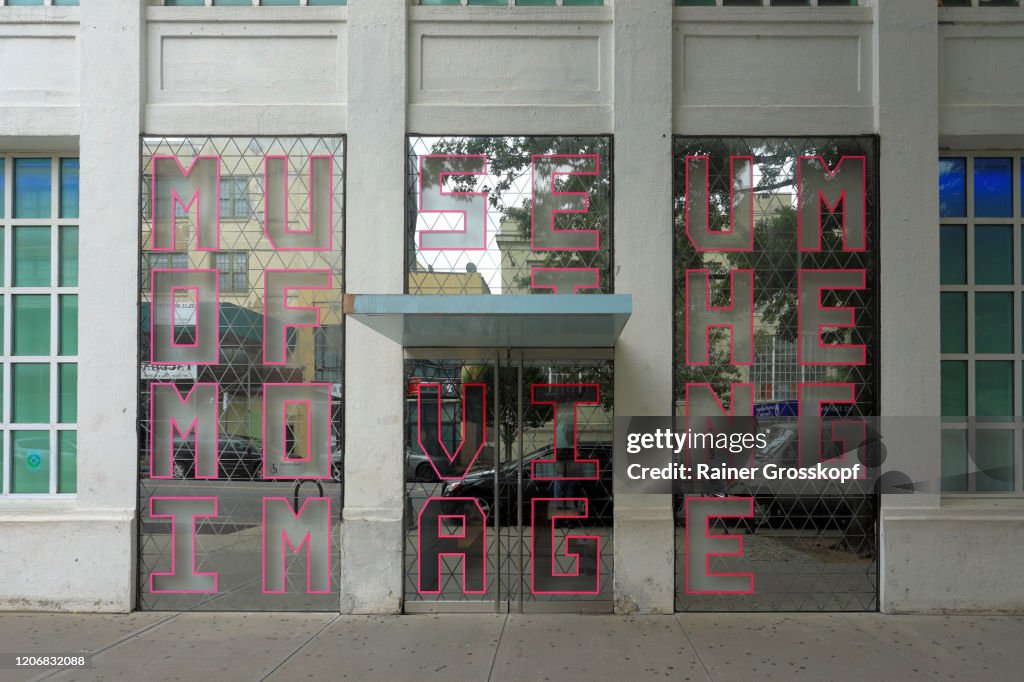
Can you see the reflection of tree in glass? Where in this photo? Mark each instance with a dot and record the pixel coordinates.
(775, 258)
(510, 162)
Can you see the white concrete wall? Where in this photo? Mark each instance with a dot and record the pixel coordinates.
(638, 69)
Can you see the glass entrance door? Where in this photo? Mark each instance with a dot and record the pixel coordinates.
(508, 480)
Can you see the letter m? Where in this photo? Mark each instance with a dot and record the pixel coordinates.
(819, 187)
(176, 190)
(170, 414)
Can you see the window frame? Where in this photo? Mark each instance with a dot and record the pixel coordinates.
(54, 359)
(227, 276)
(971, 423)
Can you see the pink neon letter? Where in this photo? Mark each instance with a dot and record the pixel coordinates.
(451, 466)
(167, 314)
(740, 235)
(582, 551)
(701, 316)
(468, 541)
(817, 186)
(813, 317)
(183, 578)
(169, 413)
(701, 545)
(200, 182)
(286, 530)
(317, 235)
(278, 316)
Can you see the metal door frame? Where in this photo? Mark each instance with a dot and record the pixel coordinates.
(505, 358)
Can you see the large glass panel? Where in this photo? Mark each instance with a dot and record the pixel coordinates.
(509, 215)
(760, 230)
(952, 187)
(954, 460)
(954, 322)
(30, 393)
(31, 325)
(32, 257)
(993, 187)
(32, 188)
(287, 261)
(993, 315)
(954, 388)
(30, 462)
(953, 245)
(994, 458)
(993, 388)
(69, 188)
(993, 254)
(67, 464)
(3, 194)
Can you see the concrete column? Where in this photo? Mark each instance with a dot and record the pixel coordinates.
(906, 97)
(372, 534)
(644, 546)
(110, 47)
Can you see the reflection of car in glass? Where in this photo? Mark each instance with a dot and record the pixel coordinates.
(418, 467)
(480, 484)
(239, 458)
(807, 503)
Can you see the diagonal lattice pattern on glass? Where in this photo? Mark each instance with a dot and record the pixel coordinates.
(231, 543)
(806, 553)
(509, 215)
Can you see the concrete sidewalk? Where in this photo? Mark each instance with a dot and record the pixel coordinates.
(732, 647)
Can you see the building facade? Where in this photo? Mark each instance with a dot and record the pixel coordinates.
(319, 305)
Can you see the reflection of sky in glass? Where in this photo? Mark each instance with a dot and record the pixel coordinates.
(952, 188)
(31, 188)
(993, 188)
(488, 261)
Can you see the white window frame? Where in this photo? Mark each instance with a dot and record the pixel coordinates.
(53, 359)
(973, 424)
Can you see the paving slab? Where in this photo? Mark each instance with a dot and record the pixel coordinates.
(389, 648)
(66, 633)
(952, 647)
(205, 646)
(592, 647)
(813, 647)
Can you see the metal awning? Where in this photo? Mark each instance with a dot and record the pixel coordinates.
(494, 321)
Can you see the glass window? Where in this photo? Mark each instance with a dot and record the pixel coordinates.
(30, 392)
(31, 323)
(69, 188)
(234, 198)
(982, 308)
(233, 267)
(953, 245)
(994, 456)
(952, 187)
(954, 322)
(954, 460)
(993, 382)
(30, 472)
(32, 188)
(993, 187)
(954, 388)
(993, 254)
(993, 322)
(39, 335)
(32, 256)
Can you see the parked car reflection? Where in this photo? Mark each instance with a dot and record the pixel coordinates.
(598, 491)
